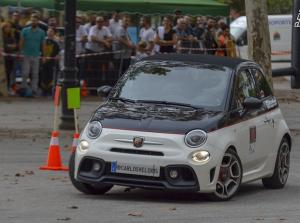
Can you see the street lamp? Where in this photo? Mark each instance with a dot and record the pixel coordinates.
(69, 72)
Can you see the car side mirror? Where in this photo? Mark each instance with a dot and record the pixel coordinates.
(252, 103)
(104, 91)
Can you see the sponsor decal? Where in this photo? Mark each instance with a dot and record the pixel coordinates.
(297, 24)
(145, 170)
(280, 22)
(270, 103)
(138, 142)
(252, 133)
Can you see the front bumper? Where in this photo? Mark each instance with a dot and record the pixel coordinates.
(187, 180)
(171, 153)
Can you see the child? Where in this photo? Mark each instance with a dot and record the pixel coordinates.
(49, 66)
(141, 51)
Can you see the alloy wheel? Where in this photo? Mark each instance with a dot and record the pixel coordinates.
(284, 162)
(229, 176)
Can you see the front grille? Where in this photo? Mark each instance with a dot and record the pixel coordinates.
(186, 181)
(137, 152)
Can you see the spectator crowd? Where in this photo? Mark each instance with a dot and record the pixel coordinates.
(104, 47)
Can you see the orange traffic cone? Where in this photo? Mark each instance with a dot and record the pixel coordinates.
(54, 159)
(84, 90)
(75, 142)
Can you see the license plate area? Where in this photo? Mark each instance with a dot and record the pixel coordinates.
(134, 169)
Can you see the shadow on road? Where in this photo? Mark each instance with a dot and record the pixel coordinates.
(140, 195)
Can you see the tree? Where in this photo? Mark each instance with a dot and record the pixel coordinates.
(280, 6)
(274, 6)
(259, 47)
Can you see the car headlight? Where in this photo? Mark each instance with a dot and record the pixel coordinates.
(94, 129)
(201, 156)
(195, 138)
(83, 146)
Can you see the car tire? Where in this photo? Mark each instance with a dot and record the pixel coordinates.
(229, 179)
(282, 167)
(83, 187)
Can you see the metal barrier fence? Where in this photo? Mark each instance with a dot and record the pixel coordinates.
(97, 69)
(94, 69)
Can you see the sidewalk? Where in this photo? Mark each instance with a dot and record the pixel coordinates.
(21, 118)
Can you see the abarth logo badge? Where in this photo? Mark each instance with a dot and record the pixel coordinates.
(138, 142)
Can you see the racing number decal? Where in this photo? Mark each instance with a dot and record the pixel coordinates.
(252, 134)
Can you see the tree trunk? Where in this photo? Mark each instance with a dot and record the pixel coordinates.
(259, 47)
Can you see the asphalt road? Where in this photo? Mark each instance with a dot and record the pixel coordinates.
(28, 195)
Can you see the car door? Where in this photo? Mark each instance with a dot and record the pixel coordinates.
(270, 116)
(248, 125)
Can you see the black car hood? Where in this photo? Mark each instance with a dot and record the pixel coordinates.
(156, 118)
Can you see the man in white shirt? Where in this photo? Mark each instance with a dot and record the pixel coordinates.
(100, 37)
(99, 40)
(115, 22)
(123, 43)
(92, 22)
(81, 36)
(147, 34)
(81, 39)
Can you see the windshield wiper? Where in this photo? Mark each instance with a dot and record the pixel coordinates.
(169, 103)
(122, 99)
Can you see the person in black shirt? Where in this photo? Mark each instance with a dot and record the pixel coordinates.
(10, 45)
(199, 29)
(49, 66)
(210, 38)
(165, 37)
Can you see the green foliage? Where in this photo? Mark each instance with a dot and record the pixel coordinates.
(274, 6)
(238, 5)
(280, 6)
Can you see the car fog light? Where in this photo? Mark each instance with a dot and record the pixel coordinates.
(201, 156)
(173, 174)
(97, 167)
(83, 145)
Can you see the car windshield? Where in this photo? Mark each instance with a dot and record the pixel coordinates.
(201, 86)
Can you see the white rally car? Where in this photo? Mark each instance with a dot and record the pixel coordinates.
(187, 123)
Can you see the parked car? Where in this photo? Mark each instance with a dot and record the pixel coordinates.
(280, 27)
(185, 123)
